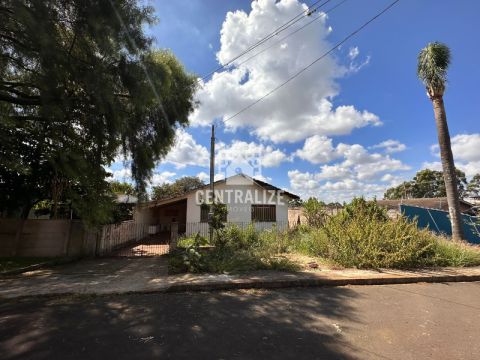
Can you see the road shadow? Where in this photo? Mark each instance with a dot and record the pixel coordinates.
(260, 324)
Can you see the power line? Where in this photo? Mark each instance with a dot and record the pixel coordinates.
(314, 62)
(274, 33)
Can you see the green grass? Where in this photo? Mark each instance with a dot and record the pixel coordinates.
(12, 263)
(448, 253)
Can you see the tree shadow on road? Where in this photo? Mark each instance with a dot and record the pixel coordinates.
(247, 324)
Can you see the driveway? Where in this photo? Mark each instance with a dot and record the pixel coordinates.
(417, 321)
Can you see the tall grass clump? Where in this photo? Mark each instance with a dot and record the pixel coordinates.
(449, 253)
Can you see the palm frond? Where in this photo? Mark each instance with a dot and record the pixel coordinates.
(433, 62)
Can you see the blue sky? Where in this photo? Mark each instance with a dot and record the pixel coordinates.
(373, 74)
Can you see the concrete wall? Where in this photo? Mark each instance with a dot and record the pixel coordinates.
(45, 238)
(143, 215)
(294, 214)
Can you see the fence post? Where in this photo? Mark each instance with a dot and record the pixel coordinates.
(173, 235)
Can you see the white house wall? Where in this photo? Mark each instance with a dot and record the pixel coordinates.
(238, 212)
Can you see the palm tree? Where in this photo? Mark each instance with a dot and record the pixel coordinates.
(433, 62)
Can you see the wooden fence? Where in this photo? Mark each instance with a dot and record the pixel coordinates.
(114, 236)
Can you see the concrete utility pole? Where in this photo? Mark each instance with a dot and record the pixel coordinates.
(212, 187)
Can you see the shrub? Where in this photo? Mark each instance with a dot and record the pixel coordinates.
(314, 211)
(365, 242)
(308, 241)
(192, 258)
(368, 210)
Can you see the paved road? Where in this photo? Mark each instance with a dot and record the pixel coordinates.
(419, 321)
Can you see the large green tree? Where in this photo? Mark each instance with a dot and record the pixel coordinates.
(426, 184)
(125, 188)
(473, 188)
(79, 83)
(178, 187)
(433, 63)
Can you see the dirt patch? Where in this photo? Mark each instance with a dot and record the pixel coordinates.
(311, 263)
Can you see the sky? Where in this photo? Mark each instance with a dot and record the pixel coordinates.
(353, 124)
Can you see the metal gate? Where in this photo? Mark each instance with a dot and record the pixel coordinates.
(131, 239)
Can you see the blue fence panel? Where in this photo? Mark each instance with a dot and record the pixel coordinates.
(439, 222)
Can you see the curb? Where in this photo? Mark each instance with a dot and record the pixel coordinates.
(264, 284)
(311, 282)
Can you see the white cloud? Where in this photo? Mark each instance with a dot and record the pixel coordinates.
(466, 147)
(308, 184)
(356, 66)
(162, 178)
(470, 168)
(378, 165)
(357, 160)
(266, 154)
(393, 180)
(186, 151)
(302, 181)
(123, 174)
(317, 149)
(466, 152)
(358, 173)
(298, 110)
(353, 52)
(432, 165)
(336, 171)
(390, 146)
(202, 175)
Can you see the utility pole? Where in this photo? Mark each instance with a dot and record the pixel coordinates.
(212, 187)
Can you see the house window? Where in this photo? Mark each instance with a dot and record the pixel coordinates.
(264, 213)
(204, 213)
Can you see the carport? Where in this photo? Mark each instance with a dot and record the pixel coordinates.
(161, 214)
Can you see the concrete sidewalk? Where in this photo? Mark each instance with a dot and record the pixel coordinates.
(143, 275)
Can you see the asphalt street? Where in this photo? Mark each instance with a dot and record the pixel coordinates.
(418, 321)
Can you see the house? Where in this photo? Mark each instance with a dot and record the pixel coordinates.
(393, 206)
(248, 201)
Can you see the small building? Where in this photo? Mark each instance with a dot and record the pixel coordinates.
(248, 201)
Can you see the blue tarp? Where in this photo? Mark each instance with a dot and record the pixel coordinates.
(439, 221)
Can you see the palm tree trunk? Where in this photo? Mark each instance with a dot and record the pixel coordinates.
(448, 168)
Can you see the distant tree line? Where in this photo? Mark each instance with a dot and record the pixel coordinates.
(430, 184)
